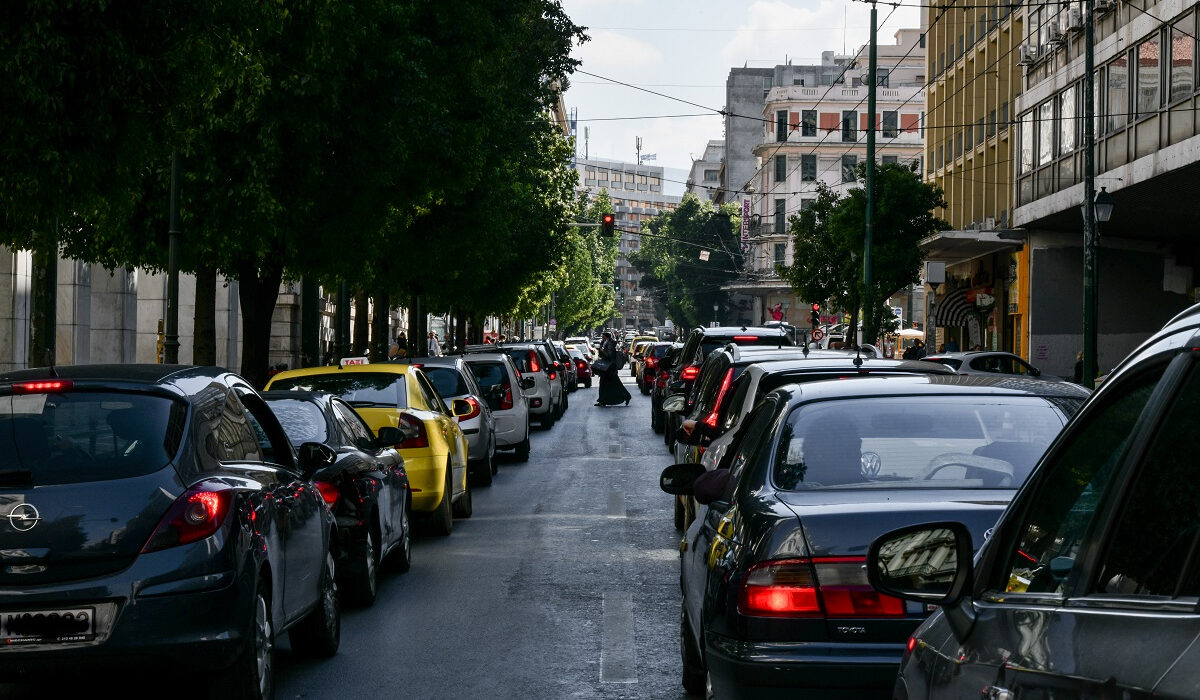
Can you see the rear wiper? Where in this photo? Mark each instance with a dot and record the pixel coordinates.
(367, 404)
(15, 477)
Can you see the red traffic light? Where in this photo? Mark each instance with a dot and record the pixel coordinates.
(816, 307)
(608, 219)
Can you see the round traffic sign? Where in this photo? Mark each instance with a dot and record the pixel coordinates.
(817, 335)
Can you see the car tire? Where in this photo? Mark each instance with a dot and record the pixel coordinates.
(645, 389)
(495, 463)
(680, 515)
(252, 674)
(399, 559)
(320, 632)
(566, 403)
(441, 522)
(522, 451)
(695, 676)
(481, 472)
(463, 506)
(546, 421)
(360, 582)
(587, 383)
(656, 420)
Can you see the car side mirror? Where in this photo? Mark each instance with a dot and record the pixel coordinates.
(526, 383)
(677, 479)
(929, 563)
(1034, 371)
(460, 407)
(694, 437)
(674, 403)
(389, 436)
(314, 456)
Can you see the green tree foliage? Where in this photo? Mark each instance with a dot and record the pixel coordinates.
(581, 303)
(670, 254)
(830, 236)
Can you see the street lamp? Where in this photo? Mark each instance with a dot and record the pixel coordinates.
(1104, 205)
(716, 307)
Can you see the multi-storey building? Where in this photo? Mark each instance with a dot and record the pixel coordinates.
(1147, 157)
(636, 193)
(704, 179)
(971, 58)
(811, 127)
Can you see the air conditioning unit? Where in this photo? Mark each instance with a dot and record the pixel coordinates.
(989, 224)
(1056, 35)
(1105, 5)
(1074, 20)
(1029, 54)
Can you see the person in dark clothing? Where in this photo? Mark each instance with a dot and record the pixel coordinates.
(612, 391)
(1077, 377)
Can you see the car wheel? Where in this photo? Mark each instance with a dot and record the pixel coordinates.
(400, 558)
(320, 632)
(680, 515)
(481, 472)
(656, 420)
(361, 581)
(695, 676)
(566, 403)
(252, 675)
(587, 383)
(522, 450)
(463, 506)
(495, 464)
(442, 521)
(645, 389)
(547, 420)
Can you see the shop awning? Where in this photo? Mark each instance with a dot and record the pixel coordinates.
(960, 246)
(953, 309)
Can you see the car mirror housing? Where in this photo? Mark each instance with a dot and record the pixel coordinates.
(929, 563)
(674, 403)
(460, 407)
(526, 382)
(677, 479)
(314, 456)
(389, 436)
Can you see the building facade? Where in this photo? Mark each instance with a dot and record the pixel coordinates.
(704, 179)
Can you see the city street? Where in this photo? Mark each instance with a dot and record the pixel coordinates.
(563, 584)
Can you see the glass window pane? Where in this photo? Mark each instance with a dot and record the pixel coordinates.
(1045, 132)
(1027, 142)
(1182, 56)
(1118, 93)
(808, 122)
(848, 164)
(1147, 77)
(1066, 133)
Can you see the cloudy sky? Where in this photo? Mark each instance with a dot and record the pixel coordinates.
(685, 49)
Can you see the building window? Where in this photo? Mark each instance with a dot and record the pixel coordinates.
(807, 203)
(970, 139)
(1147, 77)
(958, 145)
(615, 177)
(780, 168)
(1182, 54)
(1118, 93)
(849, 125)
(848, 165)
(991, 130)
(979, 131)
(808, 167)
(891, 124)
(781, 125)
(780, 251)
(1045, 132)
(1026, 137)
(780, 216)
(941, 156)
(881, 77)
(1068, 122)
(711, 175)
(894, 160)
(808, 122)
(1004, 117)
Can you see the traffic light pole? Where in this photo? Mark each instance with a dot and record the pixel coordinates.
(869, 329)
(1091, 275)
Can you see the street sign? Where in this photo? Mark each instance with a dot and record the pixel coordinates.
(348, 361)
(704, 255)
(817, 335)
(745, 224)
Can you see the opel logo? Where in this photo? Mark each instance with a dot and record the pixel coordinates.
(23, 517)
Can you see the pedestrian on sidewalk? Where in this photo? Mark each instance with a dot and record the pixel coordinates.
(434, 347)
(612, 391)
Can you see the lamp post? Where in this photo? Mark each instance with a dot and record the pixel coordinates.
(1100, 210)
(716, 307)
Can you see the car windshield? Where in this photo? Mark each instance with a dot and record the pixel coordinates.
(301, 420)
(447, 381)
(915, 442)
(78, 436)
(359, 389)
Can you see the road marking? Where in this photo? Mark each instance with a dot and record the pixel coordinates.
(617, 654)
(616, 504)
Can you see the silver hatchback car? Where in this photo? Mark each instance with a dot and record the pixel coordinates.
(502, 387)
(453, 379)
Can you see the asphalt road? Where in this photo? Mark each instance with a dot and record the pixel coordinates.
(563, 584)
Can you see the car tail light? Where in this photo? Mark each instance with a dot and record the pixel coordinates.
(580, 364)
(43, 387)
(534, 365)
(833, 587)
(690, 373)
(661, 380)
(535, 403)
(553, 374)
(651, 362)
(198, 513)
(421, 440)
(475, 410)
(745, 338)
(711, 419)
(507, 402)
(329, 492)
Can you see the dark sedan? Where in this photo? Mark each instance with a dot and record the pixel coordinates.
(156, 516)
(776, 601)
(366, 487)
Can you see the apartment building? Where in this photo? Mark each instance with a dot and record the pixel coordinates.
(704, 179)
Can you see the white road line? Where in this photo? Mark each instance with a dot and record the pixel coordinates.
(618, 657)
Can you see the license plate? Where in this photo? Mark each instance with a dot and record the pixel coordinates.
(48, 626)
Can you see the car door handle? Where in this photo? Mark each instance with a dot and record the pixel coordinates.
(993, 692)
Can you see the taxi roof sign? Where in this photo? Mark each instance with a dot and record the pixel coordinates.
(347, 361)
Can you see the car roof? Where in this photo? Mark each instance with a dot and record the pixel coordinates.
(931, 385)
(971, 353)
(387, 367)
(439, 361)
(827, 361)
(176, 379)
(311, 396)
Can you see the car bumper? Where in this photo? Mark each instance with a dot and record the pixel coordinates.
(794, 670)
(426, 477)
(510, 428)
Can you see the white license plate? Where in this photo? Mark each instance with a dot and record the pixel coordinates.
(48, 626)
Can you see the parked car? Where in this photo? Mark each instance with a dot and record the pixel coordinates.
(570, 375)
(776, 601)
(502, 387)
(988, 362)
(648, 365)
(583, 366)
(658, 418)
(399, 395)
(149, 511)
(1088, 585)
(636, 352)
(534, 362)
(366, 486)
(585, 345)
(453, 379)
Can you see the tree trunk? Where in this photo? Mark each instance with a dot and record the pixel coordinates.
(43, 312)
(417, 333)
(381, 339)
(475, 332)
(258, 295)
(362, 323)
(460, 331)
(204, 337)
(310, 322)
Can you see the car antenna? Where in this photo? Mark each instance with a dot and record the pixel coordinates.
(50, 362)
(858, 360)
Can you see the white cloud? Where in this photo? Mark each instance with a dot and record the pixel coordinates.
(621, 56)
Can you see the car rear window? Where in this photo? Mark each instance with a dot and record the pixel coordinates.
(749, 340)
(447, 381)
(948, 361)
(359, 389)
(301, 420)
(78, 436)
(916, 442)
(660, 350)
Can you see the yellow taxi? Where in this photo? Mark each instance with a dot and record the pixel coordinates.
(400, 395)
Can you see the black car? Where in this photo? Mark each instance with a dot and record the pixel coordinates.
(776, 601)
(156, 516)
(366, 487)
(658, 392)
(1089, 585)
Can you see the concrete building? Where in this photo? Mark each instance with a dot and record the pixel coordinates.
(704, 179)
(971, 56)
(637, 196)
(1147, 157)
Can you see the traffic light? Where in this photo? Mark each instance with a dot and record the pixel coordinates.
(815, 318)
(608, 224)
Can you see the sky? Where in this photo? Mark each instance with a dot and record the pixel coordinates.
(685, 49)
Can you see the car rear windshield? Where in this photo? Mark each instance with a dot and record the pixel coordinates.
(359, 389)
(916, 442)
(447, 381)
(301, 420)
(948, 361)
(79, 436)
(750, 339)
(660, 350)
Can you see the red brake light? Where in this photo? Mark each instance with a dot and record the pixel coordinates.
(43, 387)
(690, 373)
(534, 366)
(580, 364)
(195, 515)
(507, 402)
(711, 419)
(329, 492)
(474, 409)
(834, 587)
(553, 374)
(651, 361)
(745, 338)
(421, 440)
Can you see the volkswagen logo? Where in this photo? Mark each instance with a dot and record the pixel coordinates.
(871, 464)
(23, 517)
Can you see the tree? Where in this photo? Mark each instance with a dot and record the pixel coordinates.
(581, 302)
(687, 283)
(830, 236)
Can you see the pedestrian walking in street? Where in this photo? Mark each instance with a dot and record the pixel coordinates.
(1077, 377)
(434, 347)
(612, 391)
